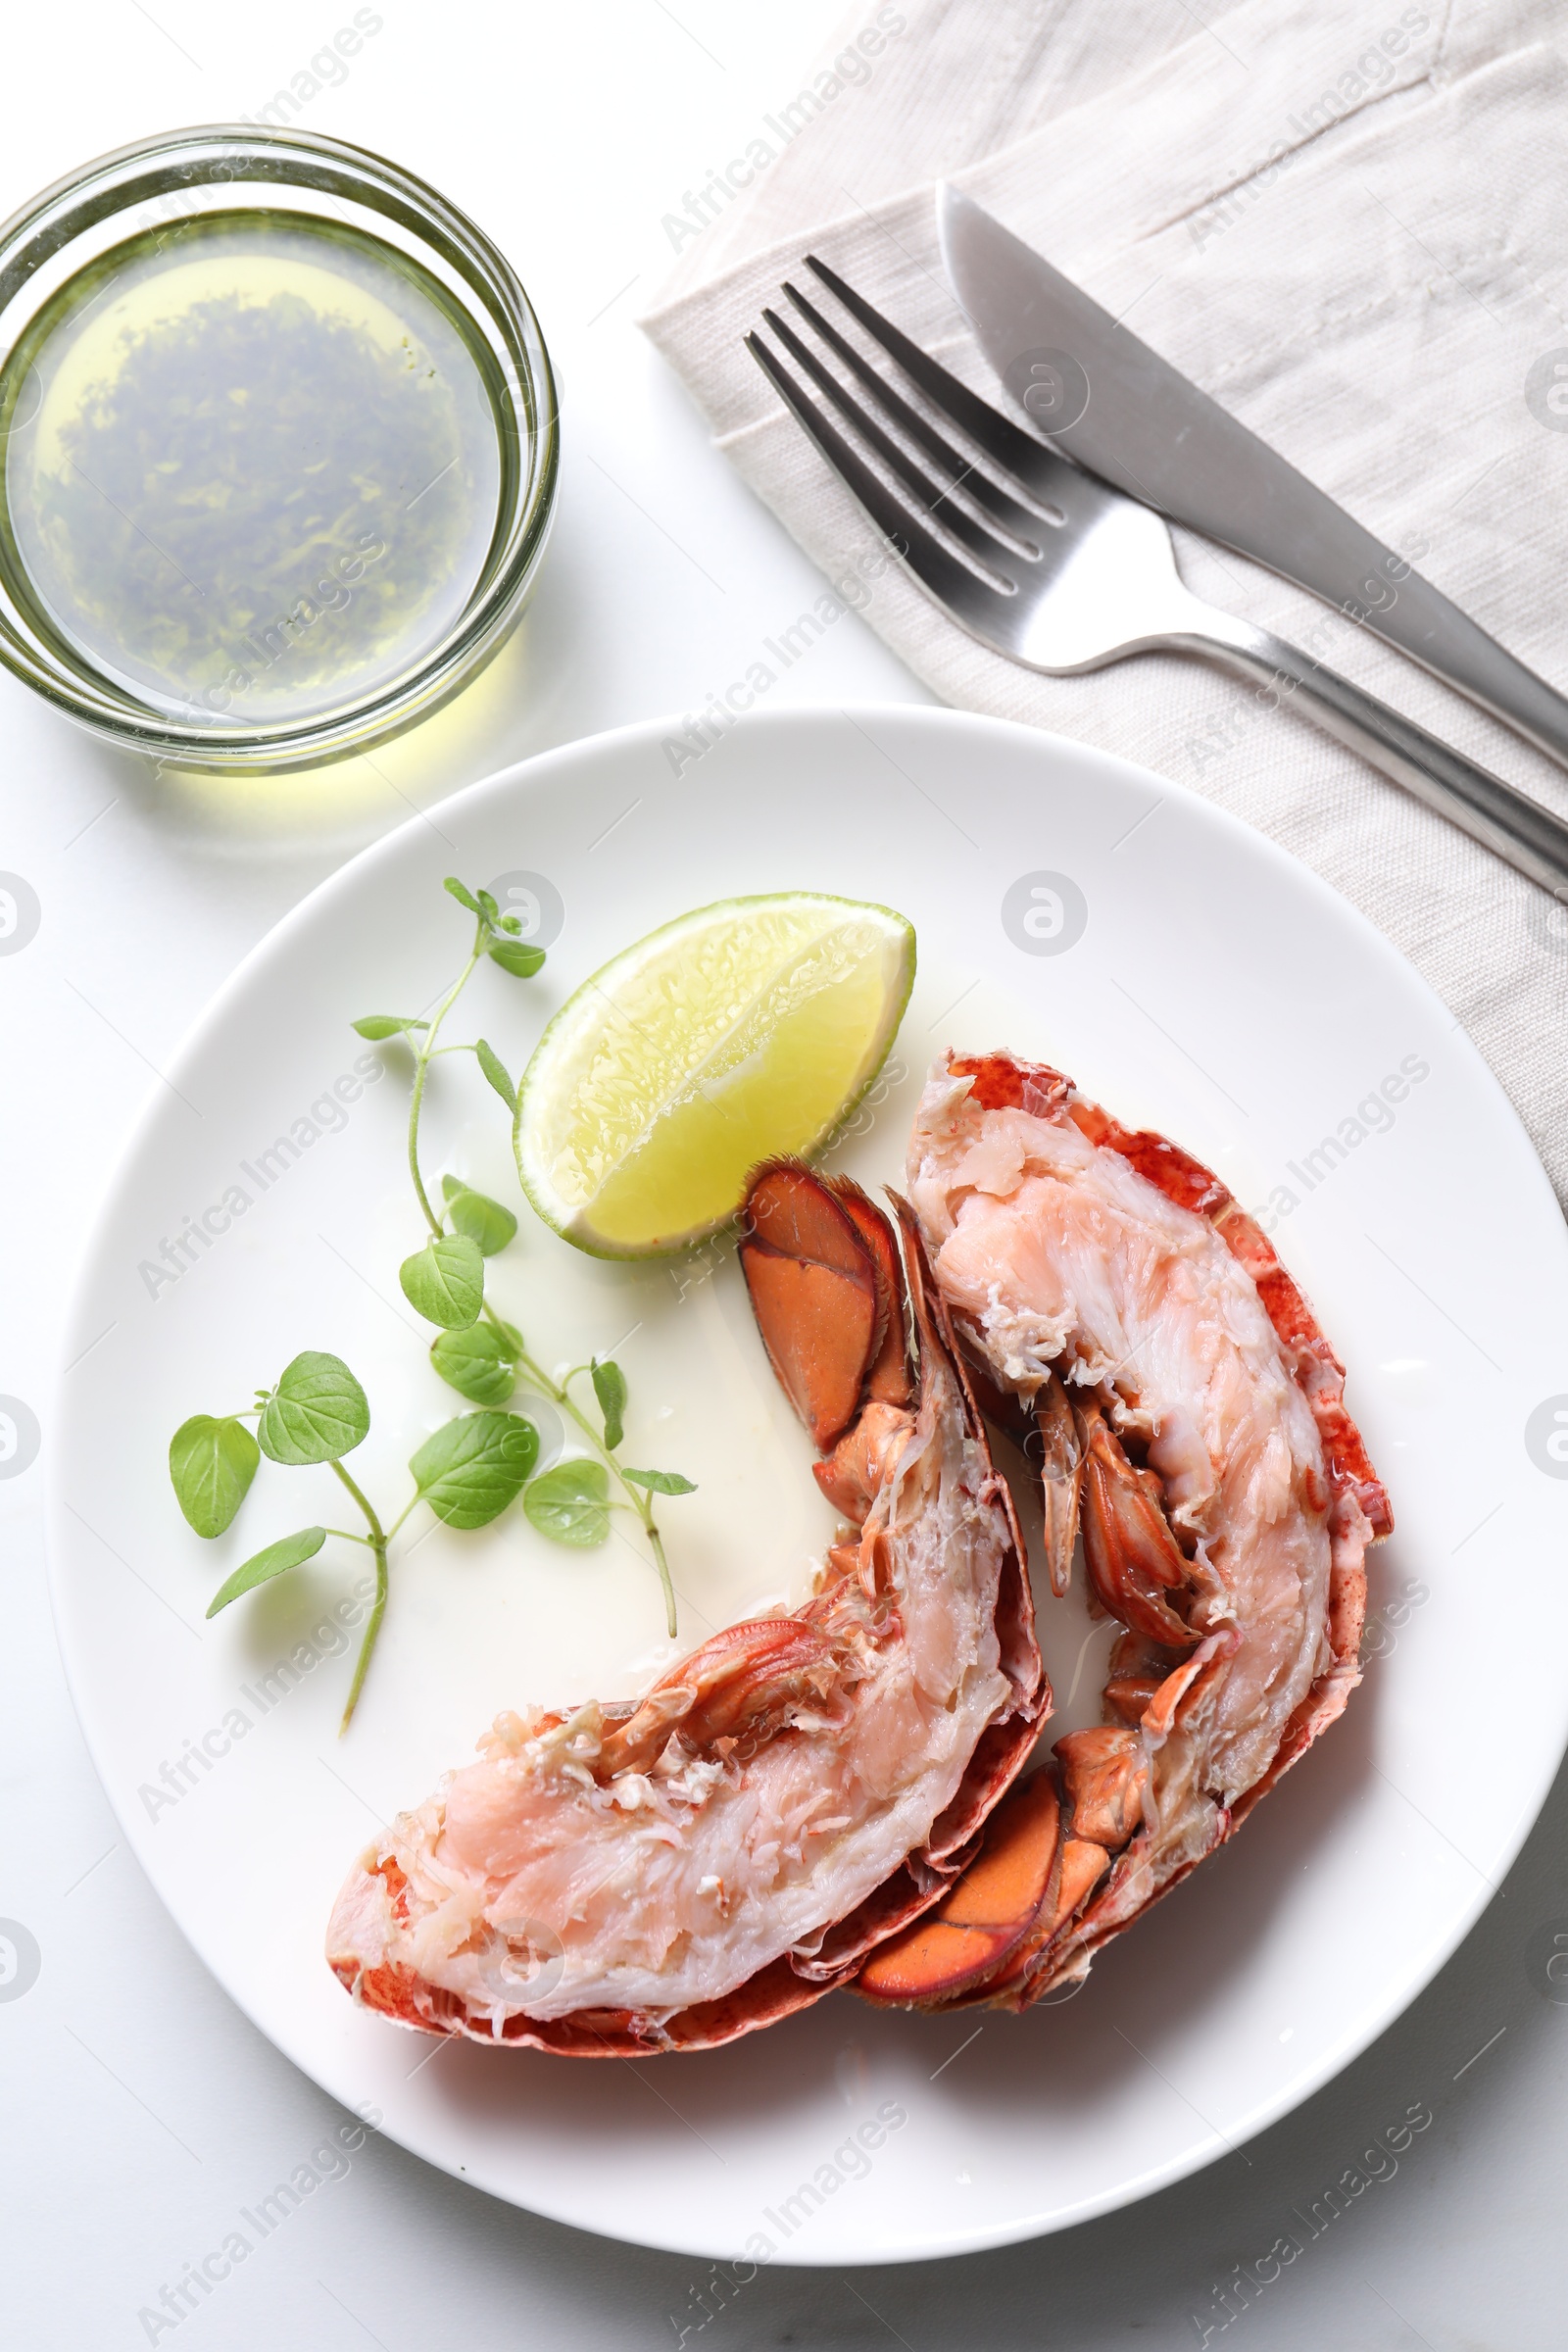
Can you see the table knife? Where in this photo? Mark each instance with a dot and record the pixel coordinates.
(1117, 409)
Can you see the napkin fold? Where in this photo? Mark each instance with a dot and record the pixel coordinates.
(1342, 218)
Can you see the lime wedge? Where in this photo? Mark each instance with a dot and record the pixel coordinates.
(735, 1033)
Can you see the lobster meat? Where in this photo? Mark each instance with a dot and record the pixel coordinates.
(1126, 1317)
(614, 1880)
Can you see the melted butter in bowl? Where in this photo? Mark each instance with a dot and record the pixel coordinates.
(264, 473)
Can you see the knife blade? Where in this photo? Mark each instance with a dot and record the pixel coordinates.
(1117, 409)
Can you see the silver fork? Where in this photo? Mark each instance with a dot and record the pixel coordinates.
(1066, 575)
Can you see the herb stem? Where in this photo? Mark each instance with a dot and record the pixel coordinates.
(656, 1545)
(378, 1534)
(377, 1539)
(403, 1514)
(372, 1628)
(422, 1063)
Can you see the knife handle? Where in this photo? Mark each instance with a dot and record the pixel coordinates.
(1502, 819)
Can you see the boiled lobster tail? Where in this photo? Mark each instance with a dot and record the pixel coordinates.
(1224, 1496)
(620, 1879)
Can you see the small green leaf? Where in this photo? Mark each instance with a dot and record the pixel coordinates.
(286, 1553)
(659, 1482)
(479, 1362)
(610, 1386)
(488, 907)
(444, 1281)
(378, 1025)
(463, 896)
(488, 1225)
(468, 1471)
(212, 1464)
(317, 1413)
(571, 1504)
(514, 957)
(495, 1069)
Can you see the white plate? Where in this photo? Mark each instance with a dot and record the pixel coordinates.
(1219, 992)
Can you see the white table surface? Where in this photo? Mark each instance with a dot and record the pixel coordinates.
(141, 2110)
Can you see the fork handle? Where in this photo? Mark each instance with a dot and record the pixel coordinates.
(1502, 819)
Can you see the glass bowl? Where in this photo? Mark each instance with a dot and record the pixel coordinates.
(232, 359)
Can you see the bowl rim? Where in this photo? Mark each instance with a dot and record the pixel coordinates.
(110, 183)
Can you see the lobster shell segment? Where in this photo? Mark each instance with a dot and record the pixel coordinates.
(887, 1378)
(969, 1935)
(818, 1291)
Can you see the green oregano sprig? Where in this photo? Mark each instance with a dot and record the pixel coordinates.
(473, 1468)
(467, 1472)
(476, 1350)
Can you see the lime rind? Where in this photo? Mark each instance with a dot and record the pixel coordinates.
(704, 1026)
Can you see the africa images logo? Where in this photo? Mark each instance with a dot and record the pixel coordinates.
(1546, 1436)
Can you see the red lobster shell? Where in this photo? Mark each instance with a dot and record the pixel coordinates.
(1046, 1220)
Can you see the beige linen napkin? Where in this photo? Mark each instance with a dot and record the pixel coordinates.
(1344, 219)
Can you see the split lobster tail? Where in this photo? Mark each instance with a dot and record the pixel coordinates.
(614, 1880)
(1190, 1424)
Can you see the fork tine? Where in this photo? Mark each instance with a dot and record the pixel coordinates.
(931, 495)
(966, 474)
(951, 582)
(1039, 468)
